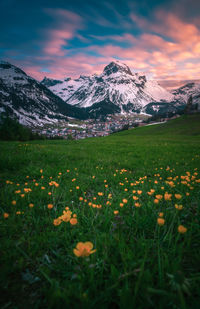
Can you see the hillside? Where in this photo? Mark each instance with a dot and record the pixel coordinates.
(186, 125)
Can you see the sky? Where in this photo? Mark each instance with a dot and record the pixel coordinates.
(69, 38)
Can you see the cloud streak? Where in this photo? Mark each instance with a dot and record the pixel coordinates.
(166, 45)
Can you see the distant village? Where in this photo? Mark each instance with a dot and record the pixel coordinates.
(95, 128)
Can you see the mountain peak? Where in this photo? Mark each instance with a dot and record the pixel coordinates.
(117, 66)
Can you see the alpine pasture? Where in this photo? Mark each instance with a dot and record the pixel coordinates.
(107, 222)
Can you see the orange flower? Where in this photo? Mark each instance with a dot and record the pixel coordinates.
(41, 171)
(125, 201)
(100, 193)
(66, 216)
(116, 212)
(178, 196)
(83, 249)
(77, 187)
(73, 221)
(50, 206)
(13, 202)
(31, 205)
(160, 221)
(182, 229)
(137, 205)
(159, 197)
(161, 214)
(5, 215)
(57, 221)
(121, 204)
(139, 191)
(42, 188)
(135, 198)
(156, 201)
(167, 196)
(80, 198)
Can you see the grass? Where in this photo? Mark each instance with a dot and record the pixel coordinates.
(137, 263)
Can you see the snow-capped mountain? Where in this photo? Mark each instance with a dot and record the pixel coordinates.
(182, 94)
(31, 102)
(116, 85)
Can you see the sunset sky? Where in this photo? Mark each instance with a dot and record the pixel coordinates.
(66, 38)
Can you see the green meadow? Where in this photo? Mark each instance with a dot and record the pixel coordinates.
(108, 222)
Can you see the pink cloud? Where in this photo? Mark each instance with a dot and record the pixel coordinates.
(168, 48)
(66, 27)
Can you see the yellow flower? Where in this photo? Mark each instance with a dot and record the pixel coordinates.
(83, 249)
(5, 215)
(179, 207)
(178, 196)
(182, 229)
(161, 221)
(73, 221)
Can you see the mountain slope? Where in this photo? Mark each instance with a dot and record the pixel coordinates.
(31, 102)
(183, 93)
(130, 92)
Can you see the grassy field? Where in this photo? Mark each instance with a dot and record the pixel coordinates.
(134, 195)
